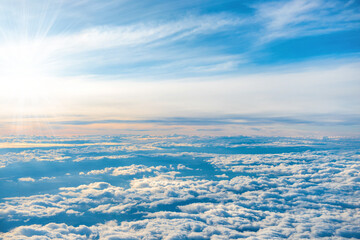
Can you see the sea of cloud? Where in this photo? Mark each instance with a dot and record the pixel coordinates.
(179, 187)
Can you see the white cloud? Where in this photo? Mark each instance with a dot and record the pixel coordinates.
(312, 91)
(26, 179)
(47, 178)
(222, 176)
(127, 170)
(183, 167)
(104, 37)
(308, 194)
(288, 19)
(31, 155)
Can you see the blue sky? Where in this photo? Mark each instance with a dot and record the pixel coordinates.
(179, 119)
(155, 60)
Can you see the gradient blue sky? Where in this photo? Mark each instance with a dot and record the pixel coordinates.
(209, 67)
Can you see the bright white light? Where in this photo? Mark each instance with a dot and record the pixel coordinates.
(23, 70)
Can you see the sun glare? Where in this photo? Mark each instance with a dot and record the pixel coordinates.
(23, 70)
(27, 85)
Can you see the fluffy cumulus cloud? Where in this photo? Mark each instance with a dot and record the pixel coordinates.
(127, 170)
(287, 188)
(31, 155)
(26, 179)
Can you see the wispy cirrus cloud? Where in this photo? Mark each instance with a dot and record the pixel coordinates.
(111, 49)
(153, 47)
(188, 59)
(104, 37)
(297, 18)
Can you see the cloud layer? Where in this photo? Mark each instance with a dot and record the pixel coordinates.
(180, 187)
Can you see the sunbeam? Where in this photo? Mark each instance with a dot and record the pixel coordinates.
(27, 62)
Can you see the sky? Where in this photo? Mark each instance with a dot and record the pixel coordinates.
(125, 119)
(271, 68)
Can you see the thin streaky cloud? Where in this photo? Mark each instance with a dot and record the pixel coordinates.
(297, 18)
(104, 37)
(188, 59)
(321, 119)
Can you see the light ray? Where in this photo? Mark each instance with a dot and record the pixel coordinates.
(26, 60)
